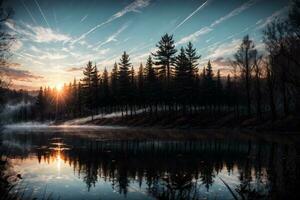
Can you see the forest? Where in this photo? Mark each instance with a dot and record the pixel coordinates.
(264, 85)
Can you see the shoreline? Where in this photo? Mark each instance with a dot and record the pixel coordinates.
(200, 122)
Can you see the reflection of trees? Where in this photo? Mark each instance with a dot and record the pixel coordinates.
(207, 175)
(174, 170)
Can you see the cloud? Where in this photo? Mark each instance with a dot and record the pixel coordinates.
(18, 74)
(225, 49)
(74, 69)
(37, 34)
(26, 56)
(83, 18)
(194, 36)
(16, 45)
(133, 7)
(29, 12)
(221, 62)
(234, 12)
(191, 15)
(271, 18)
(42, 13)
(52, 56)
(112, 38)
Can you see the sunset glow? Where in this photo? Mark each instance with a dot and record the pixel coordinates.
(57, 39)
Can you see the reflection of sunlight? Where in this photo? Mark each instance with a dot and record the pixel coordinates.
(58, 161)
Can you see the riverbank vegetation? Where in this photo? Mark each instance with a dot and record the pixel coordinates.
(261, 85)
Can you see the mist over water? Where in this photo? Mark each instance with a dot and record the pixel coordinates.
(84, 120)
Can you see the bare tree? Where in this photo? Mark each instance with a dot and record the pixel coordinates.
(244, 59)
(5, 45)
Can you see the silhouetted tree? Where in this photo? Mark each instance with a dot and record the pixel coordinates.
(244, 58)
(124, 80)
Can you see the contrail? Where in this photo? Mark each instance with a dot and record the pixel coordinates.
(28, 11)
(188, 17)
(42, 13)
(133, 7)
(55, 19)
(82, 19)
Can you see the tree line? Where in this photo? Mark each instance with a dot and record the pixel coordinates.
(264, 85)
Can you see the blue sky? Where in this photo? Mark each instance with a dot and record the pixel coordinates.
(57, 38)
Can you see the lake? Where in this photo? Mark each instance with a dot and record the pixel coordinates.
(122, 163)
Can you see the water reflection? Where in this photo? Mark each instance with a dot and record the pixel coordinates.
(75, 166)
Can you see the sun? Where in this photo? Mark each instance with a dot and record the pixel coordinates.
(59, 87)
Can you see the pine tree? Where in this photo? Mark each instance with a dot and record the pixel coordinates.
(95, 84)
(124, 79)
(208, 85)
(105, 99)
(165, 56)
(228, 92)
(114, 84)
(87, 87)
(192, 58)
(182, 85)
(164, 59)
(192, 69)
(151, 89)
(140, 85)
(80, 99)
(74, 98)
(40, 103)
(219, 91)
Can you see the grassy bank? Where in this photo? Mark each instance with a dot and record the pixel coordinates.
(202, 121)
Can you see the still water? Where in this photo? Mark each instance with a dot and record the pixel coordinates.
(109, 163)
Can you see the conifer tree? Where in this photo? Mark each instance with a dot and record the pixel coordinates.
(124, 79)
(40, 103)
(182, 86)
(140, 85)
(95, 82)
(192, 69)
(219, 91)
(165, 56)
(87, 87)
(114, 84)
(208, 85)
(105, 90)
(151, 91)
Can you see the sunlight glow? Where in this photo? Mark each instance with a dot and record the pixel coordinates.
(59, 87)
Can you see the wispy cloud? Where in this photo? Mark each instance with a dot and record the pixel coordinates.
(74, 69)
(16, 45)
(37, 33)
(52, 56)
(133, 7)
(194, 36)
(29, 12)
(191, 15)
(268, 20)
(30, 59)
(111, 38)
(83, 18)
(42, 13)
(18, 74)
(235, 12)
(225, 49)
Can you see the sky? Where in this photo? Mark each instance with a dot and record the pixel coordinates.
(55, 39)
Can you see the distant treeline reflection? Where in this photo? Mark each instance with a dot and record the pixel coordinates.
(173, 168)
